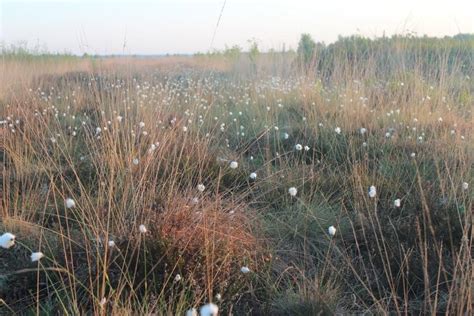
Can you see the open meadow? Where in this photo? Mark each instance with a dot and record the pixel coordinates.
(334, 179)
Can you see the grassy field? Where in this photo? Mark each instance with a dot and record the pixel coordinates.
(264, 183)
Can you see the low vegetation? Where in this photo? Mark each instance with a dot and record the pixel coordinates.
(333, 179)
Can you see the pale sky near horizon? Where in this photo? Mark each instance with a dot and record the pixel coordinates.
(187, 26)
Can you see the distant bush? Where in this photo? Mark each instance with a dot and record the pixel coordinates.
(306, 49)
(23, 52)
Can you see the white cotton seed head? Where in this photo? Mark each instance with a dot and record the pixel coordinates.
(465, 185)
(111, 243)
(292, 191)
(70, 203)
(142, 229)
(253, 176)
(332, 230)
(397, 203)
(337, 130)
(191, 312)
(244, 269)
(201, 187)
(7, 240)
(234, 164)
(36, 256)
(103, 301)
(177, 278)
(372, 192)
(298, 147)
(209, 310)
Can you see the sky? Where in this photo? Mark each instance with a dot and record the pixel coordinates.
(187, 26)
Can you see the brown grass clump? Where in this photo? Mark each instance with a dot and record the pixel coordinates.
(211, 232)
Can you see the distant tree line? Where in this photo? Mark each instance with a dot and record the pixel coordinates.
(408, 52)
